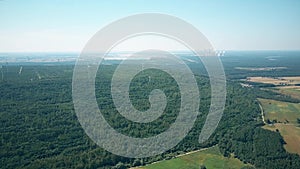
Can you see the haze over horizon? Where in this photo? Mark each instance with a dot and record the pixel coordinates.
(66, 26)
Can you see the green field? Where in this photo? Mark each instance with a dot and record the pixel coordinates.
(211, 158)
(286, 115)
(280, 111)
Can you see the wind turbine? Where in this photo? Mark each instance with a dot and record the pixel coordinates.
(2, 72)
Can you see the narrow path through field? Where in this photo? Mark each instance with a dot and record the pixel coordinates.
(191, 152)
(262, 113)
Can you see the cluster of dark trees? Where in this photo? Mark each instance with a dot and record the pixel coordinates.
(39, 128)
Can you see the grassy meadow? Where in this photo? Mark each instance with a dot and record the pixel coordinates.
(286, 115)
(211, 158)
(281, 111)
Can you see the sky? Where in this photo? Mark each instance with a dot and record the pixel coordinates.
(67, 25)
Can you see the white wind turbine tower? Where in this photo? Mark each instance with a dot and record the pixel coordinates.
(2, 72)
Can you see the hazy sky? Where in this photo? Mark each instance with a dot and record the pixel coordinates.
(66, 25)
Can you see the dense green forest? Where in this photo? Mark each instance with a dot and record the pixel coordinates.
(39, 128)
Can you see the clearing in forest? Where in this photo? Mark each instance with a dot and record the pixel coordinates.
(210, 158)
(281, 81)
(282, 117)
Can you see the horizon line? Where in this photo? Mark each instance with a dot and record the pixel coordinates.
(240, 50)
